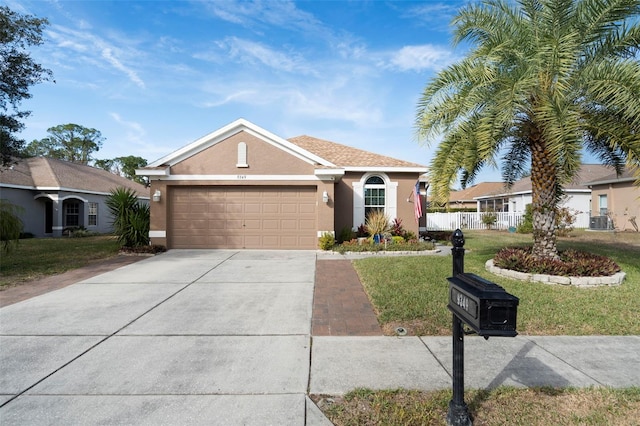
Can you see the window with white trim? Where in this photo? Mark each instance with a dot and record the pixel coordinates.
(93, 214)
(374, 195)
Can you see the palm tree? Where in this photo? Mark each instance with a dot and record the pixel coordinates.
(544, 79)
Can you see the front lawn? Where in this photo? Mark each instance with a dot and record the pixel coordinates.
(37, 257)
(412, 291)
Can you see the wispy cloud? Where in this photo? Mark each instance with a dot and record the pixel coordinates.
(75, 46)
(257, 14)
(422, 57)
(134, 131)
(250, 52)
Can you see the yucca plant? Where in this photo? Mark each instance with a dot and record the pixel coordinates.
(377, 223)
(131, 218)
(10, 225)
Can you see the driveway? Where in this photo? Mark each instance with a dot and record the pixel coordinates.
(187, 337)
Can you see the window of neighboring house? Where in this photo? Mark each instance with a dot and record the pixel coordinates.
(72, 214)
(374, 195)
(602, 200)
(93, 214)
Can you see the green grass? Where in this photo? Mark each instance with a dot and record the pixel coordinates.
(505, 405)
(38, 257)
(412, 291)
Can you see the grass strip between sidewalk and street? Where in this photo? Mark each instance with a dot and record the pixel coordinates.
(501, 406)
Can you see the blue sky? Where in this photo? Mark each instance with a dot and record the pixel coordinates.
(153, 76)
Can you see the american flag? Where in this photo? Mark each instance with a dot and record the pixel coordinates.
(417, 202)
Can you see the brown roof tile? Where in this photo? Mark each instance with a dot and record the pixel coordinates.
(476, 190)
(346, 156)
(39, 172)
(587, 173)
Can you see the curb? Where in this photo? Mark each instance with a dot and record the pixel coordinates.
(613, 280)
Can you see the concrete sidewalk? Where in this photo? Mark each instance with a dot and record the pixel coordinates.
(224, 337)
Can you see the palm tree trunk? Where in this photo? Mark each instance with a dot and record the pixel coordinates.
(543, 184)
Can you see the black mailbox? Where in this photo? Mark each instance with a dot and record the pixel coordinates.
(484, 306)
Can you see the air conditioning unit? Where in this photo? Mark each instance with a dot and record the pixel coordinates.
(599, 223)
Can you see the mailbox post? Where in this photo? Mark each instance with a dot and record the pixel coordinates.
(486, 308)
(458, 414)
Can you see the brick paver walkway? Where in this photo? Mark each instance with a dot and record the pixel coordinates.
(340, 305)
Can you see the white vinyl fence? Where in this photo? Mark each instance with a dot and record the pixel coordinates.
(473, 220)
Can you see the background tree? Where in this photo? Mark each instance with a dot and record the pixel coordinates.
(543, 80)
(69, 142)
(17, 73)
(124, 166)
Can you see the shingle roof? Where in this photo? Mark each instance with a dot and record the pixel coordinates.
(476, 190)
(587, 173)
(40, 172)
(346, 156)
(628, 175)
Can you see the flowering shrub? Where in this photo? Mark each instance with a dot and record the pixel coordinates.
(572, 263)
(394, 244)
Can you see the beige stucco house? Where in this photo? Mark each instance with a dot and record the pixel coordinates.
(242, 186)
(615, 202)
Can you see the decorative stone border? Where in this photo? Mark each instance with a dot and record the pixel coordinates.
(615, 279)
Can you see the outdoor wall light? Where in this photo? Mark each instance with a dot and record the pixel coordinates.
(325, 197)
(156, 195)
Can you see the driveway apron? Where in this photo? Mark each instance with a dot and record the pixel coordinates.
(186, 337)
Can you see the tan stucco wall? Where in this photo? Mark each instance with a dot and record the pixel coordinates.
(623, 203)
(262, 158)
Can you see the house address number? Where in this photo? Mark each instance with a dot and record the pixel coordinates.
(464, 302)
(242, 177)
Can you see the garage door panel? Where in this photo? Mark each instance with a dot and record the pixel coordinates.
(233, 224)
(242, 217)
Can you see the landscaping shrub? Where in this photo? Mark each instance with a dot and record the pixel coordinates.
(572, 263)
(131, 218)
(346, 234)
(526, 226)
(326, 241)
(10, 225)
(489, 219)
(396, 244)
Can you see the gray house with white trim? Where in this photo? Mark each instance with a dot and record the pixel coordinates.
(55, 195)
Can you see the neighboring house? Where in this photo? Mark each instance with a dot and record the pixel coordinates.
(56, 195)
(577, 194)
(466, 198)
(615, 202)
(242, 186)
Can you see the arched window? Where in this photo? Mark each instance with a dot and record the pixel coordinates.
(374, 195)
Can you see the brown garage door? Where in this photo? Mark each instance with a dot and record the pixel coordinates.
(243, 217)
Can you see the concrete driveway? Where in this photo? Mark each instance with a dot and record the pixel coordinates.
(187, 337)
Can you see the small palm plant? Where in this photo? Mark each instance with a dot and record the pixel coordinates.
(377, 223)
(131, 218)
